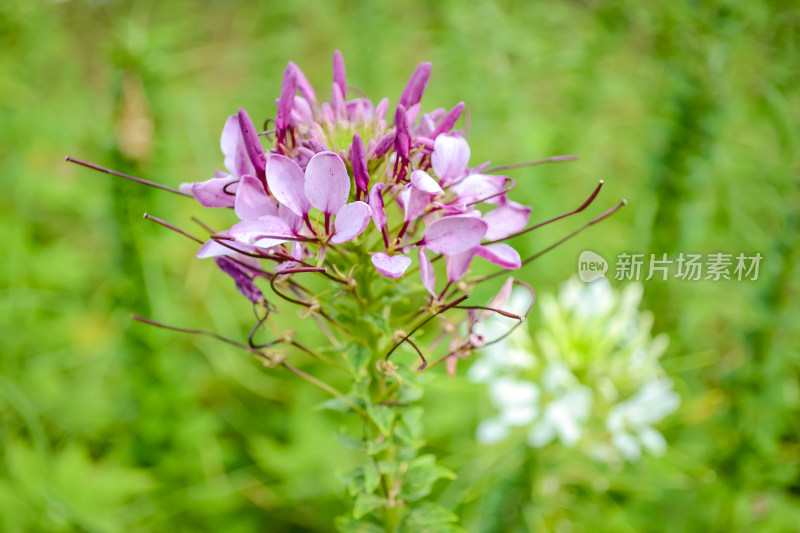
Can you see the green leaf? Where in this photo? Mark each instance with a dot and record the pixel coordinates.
(388, 467)
(372, 477)
(410, 392)
(409, 430)
(383, 416)
(360, 391)
(354, 481)
(433, 528)
(348, 525)
(374, 446)
(358, 358)
(421, 475)
(348, 442)
(428, 513)
(366, 503)
(335, 404)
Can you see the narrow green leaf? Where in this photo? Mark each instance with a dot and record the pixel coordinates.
(428, 513)
(372, 477)
(366, 503)
(420, 477)
(383, 416)
(348, 525)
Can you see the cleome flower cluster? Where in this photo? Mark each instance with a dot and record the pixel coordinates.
(395, 183)
(589, 378)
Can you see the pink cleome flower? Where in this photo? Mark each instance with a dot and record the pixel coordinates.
(338, 172)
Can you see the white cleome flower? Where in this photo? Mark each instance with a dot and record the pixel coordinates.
(593, 363)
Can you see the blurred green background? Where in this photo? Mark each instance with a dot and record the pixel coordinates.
(687, 109)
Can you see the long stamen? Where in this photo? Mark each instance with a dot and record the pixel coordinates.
(439, 312)
(579, 230)
(170, 226)
(202, 225)
(504, 191)
(268, 236)
(487, 308)
(221, 240)
(304, 269)
(283, 295)
(253, 331)
(553, 159)
(424, 364)
(583, 206)
(126, 176)
(201, 332)
(560, 241)
(315, 355)
(522, 318)
(251, 268)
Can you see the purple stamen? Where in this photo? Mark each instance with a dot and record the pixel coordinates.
(126, 176)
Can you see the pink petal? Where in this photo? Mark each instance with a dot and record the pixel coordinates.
(359, 109)
(350, 222)
(327, 184)
(288, 89)
(426, 271)
(449, 120)
(458, 265)
(424, 142)
(477, 187)
(252, 143)
(292, 220)
(243, 278)
(450, 157)
(337, 102)
(236, 159)
(302, 109)
(376, 204)
(212, 248)
(252, 201)
(426, 125)
(339, 74)
(262, 232)
(454, 234)
(391, 266)
(303, 86)
(422, 181)
(327, 113)
(412, 93)
(383, 145)
(382, 108)
(501, 255)
(286, 182)
(296, 252)
(359, 159)
(402, 140)
(211, 193)
(500, 299)
(507, 218)
(415, 202)
(411, 114)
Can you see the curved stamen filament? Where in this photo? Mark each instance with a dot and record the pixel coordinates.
(583, 206)
(553, 159)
